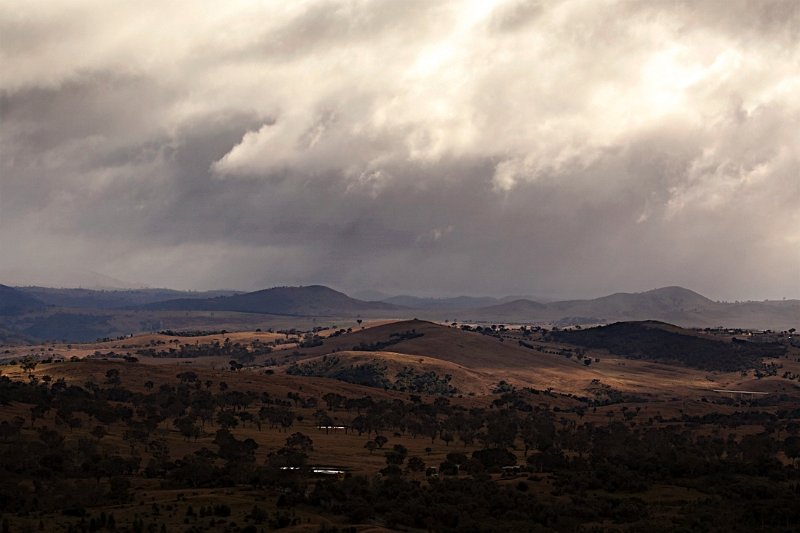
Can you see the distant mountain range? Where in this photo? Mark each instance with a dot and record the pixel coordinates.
(667, 301)
(46, 313)
(114, 298)
(672, 304)
(57, 277)
(675, 305)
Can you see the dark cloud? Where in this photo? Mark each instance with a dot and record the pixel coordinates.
(559, 148)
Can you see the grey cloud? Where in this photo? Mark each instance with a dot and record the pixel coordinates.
(561, 148)
(320, 25)
(516, 15)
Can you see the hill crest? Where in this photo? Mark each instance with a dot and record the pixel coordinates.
(311, 300)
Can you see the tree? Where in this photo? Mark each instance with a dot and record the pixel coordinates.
(791, 446)
(397, 455)
(333, 400)
(371, 446)
(38, 411)
(300, 441)
(323, 420)
(447, 437)
(493, 457)
(29, 365)
(187, 427)
(227, 420)
(502, 429)
(286, 457)
(447, 468)
(187, 377)
(232, 449)
(415, 464)
(246, 417)
(380, 440)
(456, 458)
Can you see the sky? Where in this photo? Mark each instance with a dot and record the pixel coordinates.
(560, 148)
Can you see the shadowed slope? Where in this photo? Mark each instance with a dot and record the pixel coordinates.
(13, 301)
(658, 341)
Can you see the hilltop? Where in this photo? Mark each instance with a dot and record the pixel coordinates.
(658, 341)
(418, 337)
(659, 303)
(313, 300)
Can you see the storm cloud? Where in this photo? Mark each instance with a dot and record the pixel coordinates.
(567, 148)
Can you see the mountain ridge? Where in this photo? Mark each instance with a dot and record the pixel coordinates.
(112, 298)
(310, 300)
(672, 304)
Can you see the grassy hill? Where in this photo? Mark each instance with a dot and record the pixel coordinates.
(512, 311)
(663, 342)
(418, 337)
(391, 370)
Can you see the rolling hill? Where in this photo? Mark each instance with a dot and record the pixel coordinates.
(314, 300)
(631, 357)
(513, 310)
(422, 338)
(657, 303)
(658, 341)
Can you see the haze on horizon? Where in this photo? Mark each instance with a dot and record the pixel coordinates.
(564, 148)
